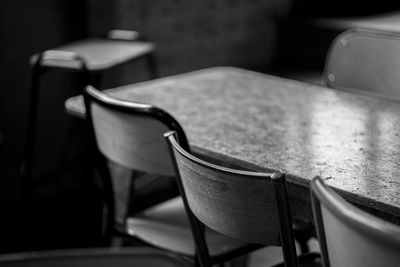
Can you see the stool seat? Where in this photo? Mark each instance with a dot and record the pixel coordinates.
(98, 54)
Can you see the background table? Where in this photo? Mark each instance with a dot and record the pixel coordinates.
(257, 121)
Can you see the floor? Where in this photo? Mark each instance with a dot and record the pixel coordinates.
(272, 255)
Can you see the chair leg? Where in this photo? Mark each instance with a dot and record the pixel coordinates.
(152, 66)
(303, 232)
(302, 239)
(308, 259)
(90, 78)
(109, 200)
(197, 260)
(30, 139)
(303, 245)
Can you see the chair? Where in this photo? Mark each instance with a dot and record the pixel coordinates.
(132, 257)
(131, 134)
(367, 60)
(91, 57)
(349, 236)
(386, 21)
(248, 206)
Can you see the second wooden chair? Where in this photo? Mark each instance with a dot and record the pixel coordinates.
(349, 236)
(365, 60)
(248, 206)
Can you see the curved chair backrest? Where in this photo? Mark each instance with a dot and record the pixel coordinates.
(131, 134)
(365, 60)
(249, 206)
(349, 236)
(137, 257)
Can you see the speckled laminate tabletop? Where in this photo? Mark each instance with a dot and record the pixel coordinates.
(351, 140)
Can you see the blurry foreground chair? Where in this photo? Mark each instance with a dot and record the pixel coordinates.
(386, 21)
(349, 236)
(248, 206)
(132, 257)
(367, 60)
(131, 135)
(91, 57)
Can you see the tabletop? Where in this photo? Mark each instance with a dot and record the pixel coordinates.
(261, 121)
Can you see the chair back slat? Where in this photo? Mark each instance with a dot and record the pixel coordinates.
(131, 134)
(349, 236)
(238, 204)
(134, 141)
(365, 60)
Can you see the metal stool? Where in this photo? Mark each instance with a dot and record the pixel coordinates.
(90, 57)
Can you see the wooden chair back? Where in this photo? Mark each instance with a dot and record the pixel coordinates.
(131, 134)
(249, 206)
(367, 60)
(349, 236)
(136, 257)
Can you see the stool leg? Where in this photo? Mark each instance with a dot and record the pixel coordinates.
(89, 78)
(152, 66)
(27, 168)
(109, 199)
(27, 163)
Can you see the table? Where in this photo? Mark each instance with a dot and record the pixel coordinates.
(257, 121)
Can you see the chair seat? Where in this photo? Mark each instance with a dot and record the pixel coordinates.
(100, 54)
(167, 226)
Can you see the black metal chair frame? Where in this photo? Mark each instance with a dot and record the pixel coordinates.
(101, 161)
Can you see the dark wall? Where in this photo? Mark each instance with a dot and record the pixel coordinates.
(193, 34)
(303, 44)
(27, 27)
